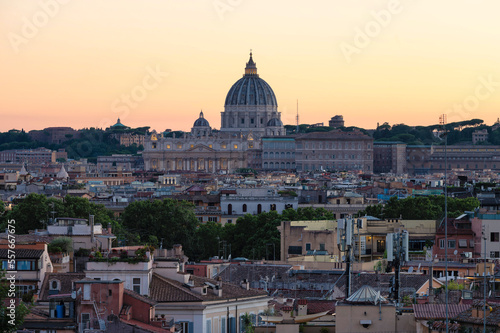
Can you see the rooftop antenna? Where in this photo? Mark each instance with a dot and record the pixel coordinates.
(297, 131)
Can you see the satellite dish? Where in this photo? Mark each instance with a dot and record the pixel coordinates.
(410, 270)
(455, 252)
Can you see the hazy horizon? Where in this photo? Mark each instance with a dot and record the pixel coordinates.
(84, 64)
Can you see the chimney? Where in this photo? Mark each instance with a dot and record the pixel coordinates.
(302, 307)
(245, 284)
(217, 291)
(431, 293)
(219, 282)
(91, 221)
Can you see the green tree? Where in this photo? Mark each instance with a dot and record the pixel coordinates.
(65, 244)
(247, 323)
(208, 236)
(31, 213)
(421, 208)
(170, 220)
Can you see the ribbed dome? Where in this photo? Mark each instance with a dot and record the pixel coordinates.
(250, 89)
(274, 122)
(201, 121)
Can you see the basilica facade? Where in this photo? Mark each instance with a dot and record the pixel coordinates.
(250, 113)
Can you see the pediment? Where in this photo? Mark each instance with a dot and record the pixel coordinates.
(200, 148)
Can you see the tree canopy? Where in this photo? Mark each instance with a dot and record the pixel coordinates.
(421, 208)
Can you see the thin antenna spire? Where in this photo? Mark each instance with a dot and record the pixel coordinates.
(297, 131)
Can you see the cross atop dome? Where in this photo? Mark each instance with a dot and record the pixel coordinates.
(251, 68)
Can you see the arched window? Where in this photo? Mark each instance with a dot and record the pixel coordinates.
(244, 208)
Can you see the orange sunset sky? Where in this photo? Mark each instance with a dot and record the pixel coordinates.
(71, 62)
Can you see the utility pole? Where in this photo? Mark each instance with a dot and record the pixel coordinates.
(484, 279)
(442, 121)
(397, 252)
(344, 243)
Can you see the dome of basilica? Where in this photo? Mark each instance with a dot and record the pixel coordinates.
(251, 89)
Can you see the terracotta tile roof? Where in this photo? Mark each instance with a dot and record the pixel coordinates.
(237, 273)
(22, 254)
(166, 290)
(317, 306)
(27, 239)
(313, 306)
(66, 280)
(139, 297)
(492, 319)
(438, 311)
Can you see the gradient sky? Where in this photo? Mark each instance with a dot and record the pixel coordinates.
(71, 64)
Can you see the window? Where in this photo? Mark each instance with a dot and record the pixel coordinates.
(86, 292)
(259, 208)
(209, 146)
(462, 243)
(191, 146)
(272, 207)
(85, 321)
(25, 265)
(212, 219)
(223, 145)
(184, 326)
(54, 285)
(494, 254)
(23, 289)
(136, 284)
(223, 325)
(229, 209)
(242, 120)
(251, 120)
(308, 246)
(209, 325)
(235, 146)
(322, 246)
(244, 208)
(451, 244)
(153, 145)
(168, 146)
(494, 237)
(441, 243)
(295, 250)
(179, 146)
(110, 292)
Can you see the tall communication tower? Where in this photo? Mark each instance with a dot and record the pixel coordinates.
(297, 131)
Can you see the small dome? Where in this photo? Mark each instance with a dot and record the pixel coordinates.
(201, 121)
(274, 122)
(118, 124)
